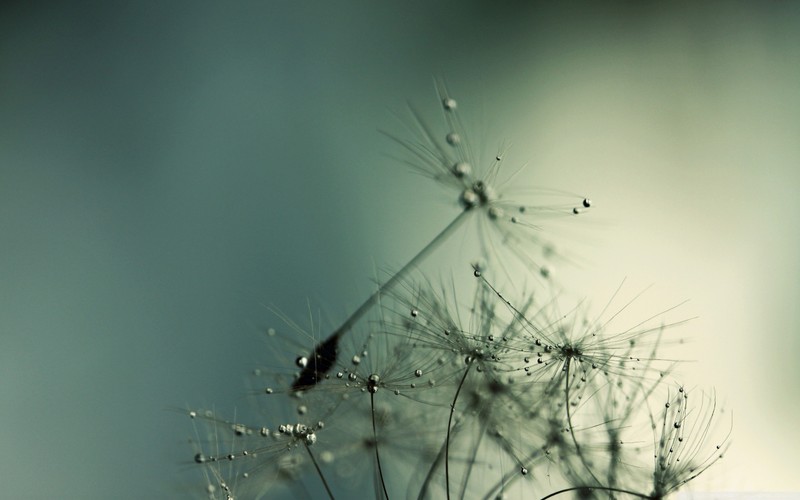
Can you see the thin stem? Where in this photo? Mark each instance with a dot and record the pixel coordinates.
(509, 478)
(601, 488)
(471, 463)
(319, 472)
(375, 437)
(324, 355)
(449, 425)
(349, 322)
(571, 429)
(426, 483)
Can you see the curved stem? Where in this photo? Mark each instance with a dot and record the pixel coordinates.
(319, 472)
(324, 355)
(375, 437)
(449, 425)
(600, 488)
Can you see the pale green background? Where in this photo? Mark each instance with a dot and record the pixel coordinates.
(167, 168)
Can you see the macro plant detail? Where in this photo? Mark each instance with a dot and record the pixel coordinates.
(467, 388)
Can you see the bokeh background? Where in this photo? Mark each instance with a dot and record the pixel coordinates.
(170, 169)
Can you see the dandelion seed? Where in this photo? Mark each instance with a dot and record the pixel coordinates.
(452, 167)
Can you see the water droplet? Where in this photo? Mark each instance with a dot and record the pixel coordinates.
(352, 377)
(524, 471)
(677, 425)
(271, 332)
(417, 373)
(372, 383)
(666, 405)
(356, 359)
(453, 138)
(268, 390)
(302, 410)
(462, 169)
(495, 213)
(514, 219)
(576, 210)
(449, 103)
(200, 458)
(477, 274)
(311, 438)
(192, 414)
(545, 271)
(302, 361)
(264, 432)
(587, 202)
(491, 338)
(469, 199)
(326, 456)
(414, 313)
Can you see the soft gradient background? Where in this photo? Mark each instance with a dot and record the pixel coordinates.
(168, 168)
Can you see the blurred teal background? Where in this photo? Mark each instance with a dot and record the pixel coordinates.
(168, 168)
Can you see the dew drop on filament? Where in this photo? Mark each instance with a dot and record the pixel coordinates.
(453, 139)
